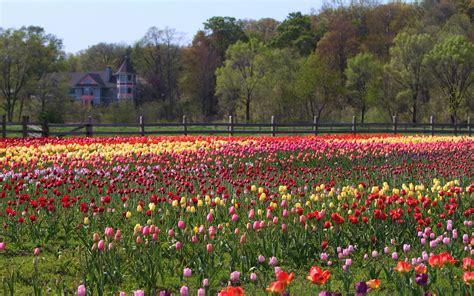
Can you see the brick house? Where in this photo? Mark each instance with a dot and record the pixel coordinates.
(104, 87)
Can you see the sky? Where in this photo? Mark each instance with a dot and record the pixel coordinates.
(81, 24)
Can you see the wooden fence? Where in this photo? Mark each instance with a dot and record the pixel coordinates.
(25, 128)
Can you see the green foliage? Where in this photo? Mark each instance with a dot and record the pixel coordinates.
(296, 32)
(363, 79)
(451, 64)
(241, 74)
(406, 65)
(224, 31)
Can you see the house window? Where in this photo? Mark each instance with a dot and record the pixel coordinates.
(129, 90)
(87, 91)
(123, 78)
(87, 81)
(129, 78)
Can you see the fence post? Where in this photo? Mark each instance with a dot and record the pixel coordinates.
(273, 125)
(89, 126)
(315, 125)
(185, 125)
(4, 126)
(24, 126)
(231, 125)
(468, 125)
(142, 126)
(394, 121)
(432, 125)
(354, 125)
(45, 129)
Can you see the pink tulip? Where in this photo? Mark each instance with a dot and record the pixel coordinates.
(178, 245)
(205, 282)
(235, 217)
(187, 272)
(201, 292)
(36, 251)
(139, 293)
(210, 217)
(109, 231)
(118, 235)
(235, 276)
(273, 261)
(3, 245)
(253, 277)
(171, 233)
(209, 248)
(184, 291)
(101, 245)
(181, 224)
(81, 290)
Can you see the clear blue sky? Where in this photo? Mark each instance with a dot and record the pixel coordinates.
(83, 23)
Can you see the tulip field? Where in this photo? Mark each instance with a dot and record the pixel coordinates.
(308, 215)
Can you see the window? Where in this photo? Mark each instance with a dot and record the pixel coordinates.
(129, 90)
(87, 91)
(87, 81)
(123, 78)
(129, 77)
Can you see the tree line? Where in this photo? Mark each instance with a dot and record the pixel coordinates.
(366, 59)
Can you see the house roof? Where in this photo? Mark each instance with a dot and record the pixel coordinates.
(99, 76)
(126, 67)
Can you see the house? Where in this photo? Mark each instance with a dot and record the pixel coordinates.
(104, 87)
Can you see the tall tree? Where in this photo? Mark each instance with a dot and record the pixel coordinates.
(241, 69)
(26, 55)
(296, 32)
(102, 55)
(198, 82)
(363, 76)
(318, 85)
(263, 29)
(157, 58)
(338, 44)
(451, 63)
(224, 31)
(406, 65)
(384, 22)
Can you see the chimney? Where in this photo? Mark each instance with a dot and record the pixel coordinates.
(108, 74)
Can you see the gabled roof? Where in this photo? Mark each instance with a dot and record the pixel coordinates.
(126, 67)
(99, 76)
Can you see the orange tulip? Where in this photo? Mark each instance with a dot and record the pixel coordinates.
(373, 284)
(468, 277)
(420, 269)
(468, 263)
(284, 277)
(232, 291)
(441, 259)
(402, 267)
(276, 287)
(318, 276)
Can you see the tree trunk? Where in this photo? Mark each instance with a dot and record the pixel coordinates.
(247, 108)
(362, 114)
(414, 97)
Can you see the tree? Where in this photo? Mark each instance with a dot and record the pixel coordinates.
(384, 22)
(241, 69)
(101, 56)
(26, 55)
(295, 32)
(263, 29)
(223, 32)
(198, 82)
(318, 85)
(451, 63)
(338, 44)
(363, 73)
(157, 58)
(406, 65)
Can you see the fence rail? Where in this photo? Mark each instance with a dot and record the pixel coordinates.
(25, 128)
